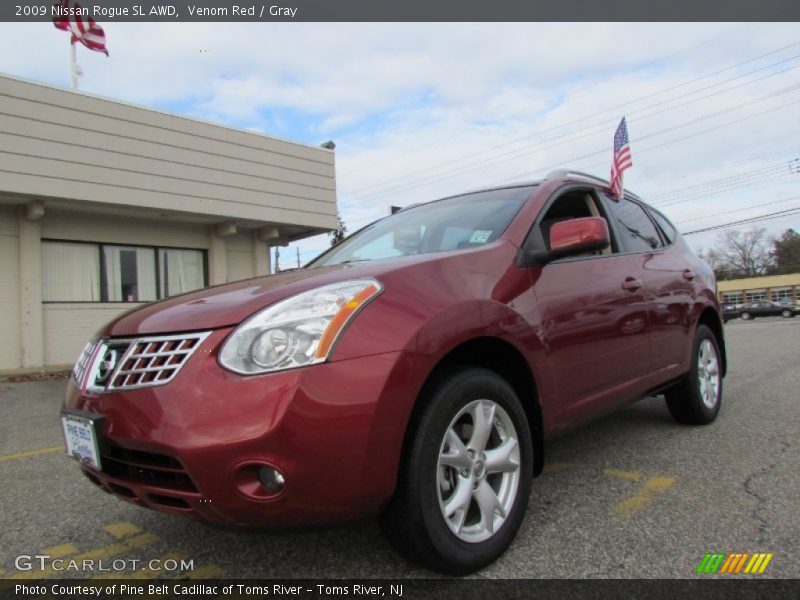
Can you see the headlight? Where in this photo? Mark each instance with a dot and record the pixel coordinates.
(297, 331)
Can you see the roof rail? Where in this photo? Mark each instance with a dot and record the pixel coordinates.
(558, 173)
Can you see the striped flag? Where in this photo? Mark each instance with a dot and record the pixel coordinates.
(622, 159)
(67, 16)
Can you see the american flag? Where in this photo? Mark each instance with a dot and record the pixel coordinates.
(622, 158)
(84, 29)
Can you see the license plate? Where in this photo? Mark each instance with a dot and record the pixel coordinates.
(81, 438)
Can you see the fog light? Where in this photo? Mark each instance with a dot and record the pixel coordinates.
(271, 479)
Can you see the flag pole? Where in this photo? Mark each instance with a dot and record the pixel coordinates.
(73, 65)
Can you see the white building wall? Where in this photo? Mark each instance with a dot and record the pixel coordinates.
(9, 288)
(67, 327)
(240, 256)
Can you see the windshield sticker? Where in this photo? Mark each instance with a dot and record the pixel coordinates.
(481, 236)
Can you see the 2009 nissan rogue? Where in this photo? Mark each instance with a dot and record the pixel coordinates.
(413, 371)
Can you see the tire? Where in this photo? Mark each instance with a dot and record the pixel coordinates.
(746, 316)
(441, 472)
(696, 399)
(787, 314)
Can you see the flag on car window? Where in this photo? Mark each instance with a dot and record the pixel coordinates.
(68, 16)
(622, 159)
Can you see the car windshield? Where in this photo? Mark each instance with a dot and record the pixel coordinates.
(456, 223)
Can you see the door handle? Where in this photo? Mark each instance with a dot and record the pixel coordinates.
(631, 284)
(688, 274)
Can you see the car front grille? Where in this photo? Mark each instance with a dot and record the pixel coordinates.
(84, 362)
(113, 364)
(146, 468)
(154, 361)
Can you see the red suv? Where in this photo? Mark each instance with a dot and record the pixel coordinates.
(412, 371)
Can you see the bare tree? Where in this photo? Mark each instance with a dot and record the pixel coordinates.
(717, 263)
(742, 253)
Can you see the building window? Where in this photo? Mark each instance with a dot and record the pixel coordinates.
(88, 272)
(70, 272)
(782, 295)
(181, 271)
(756, 295)
(732, 298)
(130, 274)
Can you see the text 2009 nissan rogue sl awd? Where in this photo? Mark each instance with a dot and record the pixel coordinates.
(413, 371)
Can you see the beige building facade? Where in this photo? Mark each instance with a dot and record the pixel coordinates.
(784, 289)
(105, 206)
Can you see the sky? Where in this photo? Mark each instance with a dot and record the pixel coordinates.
(426, 110)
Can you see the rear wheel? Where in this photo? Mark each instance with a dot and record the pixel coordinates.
(787, 314)
(464, 483)
(696, 399)
(746, 316)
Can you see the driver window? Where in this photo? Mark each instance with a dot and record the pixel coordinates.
(574, 204)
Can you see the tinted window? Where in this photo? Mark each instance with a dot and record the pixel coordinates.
(451, 224)
(667, 228)
(637, 231)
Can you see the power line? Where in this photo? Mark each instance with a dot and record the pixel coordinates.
(774, 215)
(436, 177)
(595, 84)
(745, 208)
(527, 175)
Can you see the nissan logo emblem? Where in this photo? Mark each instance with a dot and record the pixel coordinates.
(106, 366)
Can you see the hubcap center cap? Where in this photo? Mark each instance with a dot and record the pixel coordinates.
(478, 468)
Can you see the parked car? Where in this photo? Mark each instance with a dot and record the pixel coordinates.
(414, 371)
(765, 308)
(729, 312)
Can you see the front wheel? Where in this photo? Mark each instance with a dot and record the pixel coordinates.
(465, 479)
(746, 316)
(696, 399)
(787, 314)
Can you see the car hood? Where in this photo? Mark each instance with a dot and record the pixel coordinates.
(222, 305)
(229, 304)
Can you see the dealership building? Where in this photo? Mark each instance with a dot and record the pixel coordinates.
(106, 205)
(784, 289)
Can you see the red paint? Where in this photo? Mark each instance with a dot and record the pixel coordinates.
(588, 233)
(336, 430)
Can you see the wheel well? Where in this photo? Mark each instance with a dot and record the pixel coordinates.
(504, 359)
(710, 319)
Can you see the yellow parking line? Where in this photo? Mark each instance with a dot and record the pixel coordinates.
(31, 453)
(122, 529)
(645, 496)
(207, 572)
(60, 551)
(632, 475)
(96, 554)
(554, 468)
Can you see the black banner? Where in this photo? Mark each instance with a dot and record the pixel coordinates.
(403, 589)
(411, 10)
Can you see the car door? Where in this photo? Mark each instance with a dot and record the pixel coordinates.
(593, 317)
(668, 274)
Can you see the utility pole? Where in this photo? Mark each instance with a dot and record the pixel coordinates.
(298, 257)
(277, 259)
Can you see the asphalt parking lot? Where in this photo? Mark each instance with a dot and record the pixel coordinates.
(633, 495)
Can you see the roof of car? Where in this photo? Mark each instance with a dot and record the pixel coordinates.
(567, 174)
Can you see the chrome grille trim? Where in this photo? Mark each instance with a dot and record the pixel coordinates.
(140, 362)
(83, 363)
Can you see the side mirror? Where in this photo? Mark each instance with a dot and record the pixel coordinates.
(576, 236)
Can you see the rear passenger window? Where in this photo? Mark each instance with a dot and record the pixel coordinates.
(667, 228)
(638, 232)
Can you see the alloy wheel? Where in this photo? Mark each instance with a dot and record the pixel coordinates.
(708, 373)
(478, 472)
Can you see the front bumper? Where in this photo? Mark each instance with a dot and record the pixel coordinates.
(194, 445)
